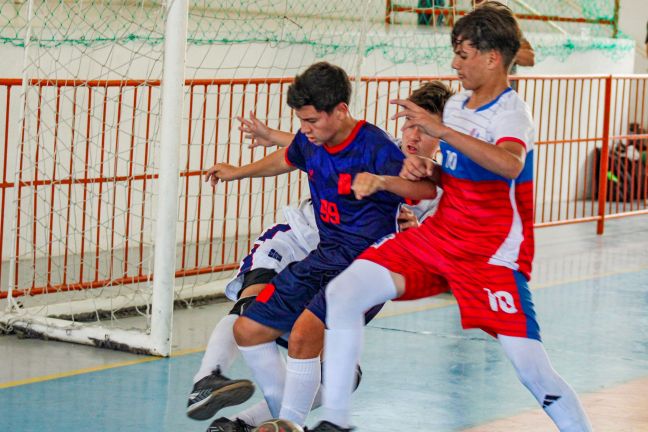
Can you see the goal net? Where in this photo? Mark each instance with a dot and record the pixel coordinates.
(92, 227)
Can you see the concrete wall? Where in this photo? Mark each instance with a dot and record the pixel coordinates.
(633, 15)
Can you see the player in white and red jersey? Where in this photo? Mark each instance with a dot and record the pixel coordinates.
(480, 241)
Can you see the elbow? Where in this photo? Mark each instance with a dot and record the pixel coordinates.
(514, 170)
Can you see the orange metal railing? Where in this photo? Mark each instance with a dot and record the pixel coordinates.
(592, 138)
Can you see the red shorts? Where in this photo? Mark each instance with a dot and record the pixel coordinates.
(493, 298)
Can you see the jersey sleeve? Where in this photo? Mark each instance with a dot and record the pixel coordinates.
(295, 152)
(514, 125)
(389, 159)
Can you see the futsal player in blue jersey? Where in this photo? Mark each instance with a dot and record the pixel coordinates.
(332, 147)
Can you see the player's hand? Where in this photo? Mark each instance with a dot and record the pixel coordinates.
(407, 219)
(429, 123)
(255, 130)
(366, 184)
(417, 167)
(222, 172)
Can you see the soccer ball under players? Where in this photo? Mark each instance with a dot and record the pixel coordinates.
(278, 425)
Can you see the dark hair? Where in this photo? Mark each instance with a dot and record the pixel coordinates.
(491, 26)
(322, 85)
(432, 96)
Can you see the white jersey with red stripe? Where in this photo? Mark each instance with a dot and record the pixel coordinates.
(279, 245)
(484, 215)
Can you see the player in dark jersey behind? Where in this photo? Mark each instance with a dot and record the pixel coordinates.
(293, 240)
(331, 147)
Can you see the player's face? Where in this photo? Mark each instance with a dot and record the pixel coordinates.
(319, 127)
(415, 142)
(470, 64)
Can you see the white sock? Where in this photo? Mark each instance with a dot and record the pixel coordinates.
(302, 382)
(254, 415)
(317, 401)
(221, 350)
(363, 285)
(342, 350)
(269, 371)
(534, 370)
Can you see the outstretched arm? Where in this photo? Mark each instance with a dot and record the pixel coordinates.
(418, 167)
(525, 55)
(271, 165)
(505, 159)
(366, 184)
(262, 135)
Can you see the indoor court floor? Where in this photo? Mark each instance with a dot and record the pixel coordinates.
(421, 371)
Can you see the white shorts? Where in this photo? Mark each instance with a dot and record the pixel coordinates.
(279, 245)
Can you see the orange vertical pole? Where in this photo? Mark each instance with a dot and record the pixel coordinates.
(615, 20)
(388, 12)
(129, 182)
(203, 145)
(604, 155)
(69, 198)
(54, 150)
(185, 216)
(147, 142)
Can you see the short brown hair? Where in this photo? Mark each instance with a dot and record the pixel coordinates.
(431, 96)
(322, 85)
(491, 26)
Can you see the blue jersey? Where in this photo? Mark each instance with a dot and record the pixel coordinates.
(345, 223)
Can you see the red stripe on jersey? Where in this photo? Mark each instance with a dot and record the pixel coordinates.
(524, 200)
(266, 293)
(411, 202)
(474, 218)
(511, 139)
(344, 184)
(286, 157)
(338, 148)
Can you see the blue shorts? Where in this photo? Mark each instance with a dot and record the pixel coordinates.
(299, 286)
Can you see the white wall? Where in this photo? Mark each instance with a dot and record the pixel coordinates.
(633, 15)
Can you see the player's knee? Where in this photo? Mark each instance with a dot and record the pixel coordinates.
(306, 337)
(337, 291)
(342, 293)
(304, 345)
(248, 332)
(244, 333)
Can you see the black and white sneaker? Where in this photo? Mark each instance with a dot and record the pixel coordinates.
(224, 424)
(325, 426)
(214, 392)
